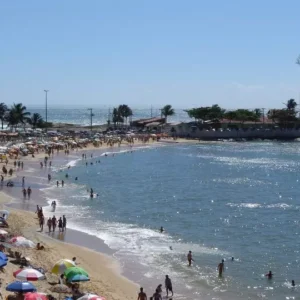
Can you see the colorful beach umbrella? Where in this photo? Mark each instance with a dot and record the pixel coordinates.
(3, 263)
(29, 275)
(35, 296)
(62, 265)
(3, 232)
(76, 274)
(20, 241)
(91, 297)
(21, 286)
(78, 278)
(3, 256)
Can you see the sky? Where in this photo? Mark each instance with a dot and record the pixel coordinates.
(192, 53)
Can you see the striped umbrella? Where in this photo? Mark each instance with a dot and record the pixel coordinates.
(35, 296)
(29, 275)
(20, 241)
(91, 297)
(62, 265)
(19, 286)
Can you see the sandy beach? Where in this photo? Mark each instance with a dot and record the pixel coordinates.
(103, 270)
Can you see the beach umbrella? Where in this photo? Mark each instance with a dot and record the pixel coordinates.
(91, 297)
(29, 275)
(71, 272)
(78, 278)
(21, 286)
(62, 265)
(20, 241)
(3, 263)
(35, 296)
(3, 256)
(3, 232)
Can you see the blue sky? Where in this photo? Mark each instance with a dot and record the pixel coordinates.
(185, 53)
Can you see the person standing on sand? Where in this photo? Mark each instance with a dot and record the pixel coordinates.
(142, 295)
(53, 223)
(49, 224)
(23, 180)
(221, 267)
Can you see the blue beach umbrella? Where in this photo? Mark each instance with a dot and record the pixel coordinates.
(21, 286)
(3, 263)
(78, 278)
(3, 256)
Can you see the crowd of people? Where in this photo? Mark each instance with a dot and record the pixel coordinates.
(53, 222)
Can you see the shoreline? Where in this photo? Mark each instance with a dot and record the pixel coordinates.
(75, 239)
(121, 270)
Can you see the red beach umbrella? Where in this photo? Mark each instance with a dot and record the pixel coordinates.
(35, 296)
(29, 275)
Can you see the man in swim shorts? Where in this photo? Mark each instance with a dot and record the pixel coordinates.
(142, 295)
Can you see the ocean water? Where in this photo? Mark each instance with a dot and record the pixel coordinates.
(219, 200)
(81, 116)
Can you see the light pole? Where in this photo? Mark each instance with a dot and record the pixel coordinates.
(46, 92)
(91, 110)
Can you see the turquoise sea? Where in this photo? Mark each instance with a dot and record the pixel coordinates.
(219, 200)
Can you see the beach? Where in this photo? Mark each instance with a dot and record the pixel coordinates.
(91, 252)
(103, 270)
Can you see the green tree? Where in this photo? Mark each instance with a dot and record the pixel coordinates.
(36, 120)
(230, 115)
(116, 116)
(17, 115)
(291, 105)
(215, 112)
(3, 112)
(167, 111)
(125, 111)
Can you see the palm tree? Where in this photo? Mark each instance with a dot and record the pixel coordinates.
(116, 116)
(36, 120)
(166, 111)
(291, 104)
(3, 112)
(17, 114)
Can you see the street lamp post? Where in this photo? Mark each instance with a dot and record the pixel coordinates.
(91, 116)
(46, 92)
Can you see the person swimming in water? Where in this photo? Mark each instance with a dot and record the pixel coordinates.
(269, 275)
(161, 229)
